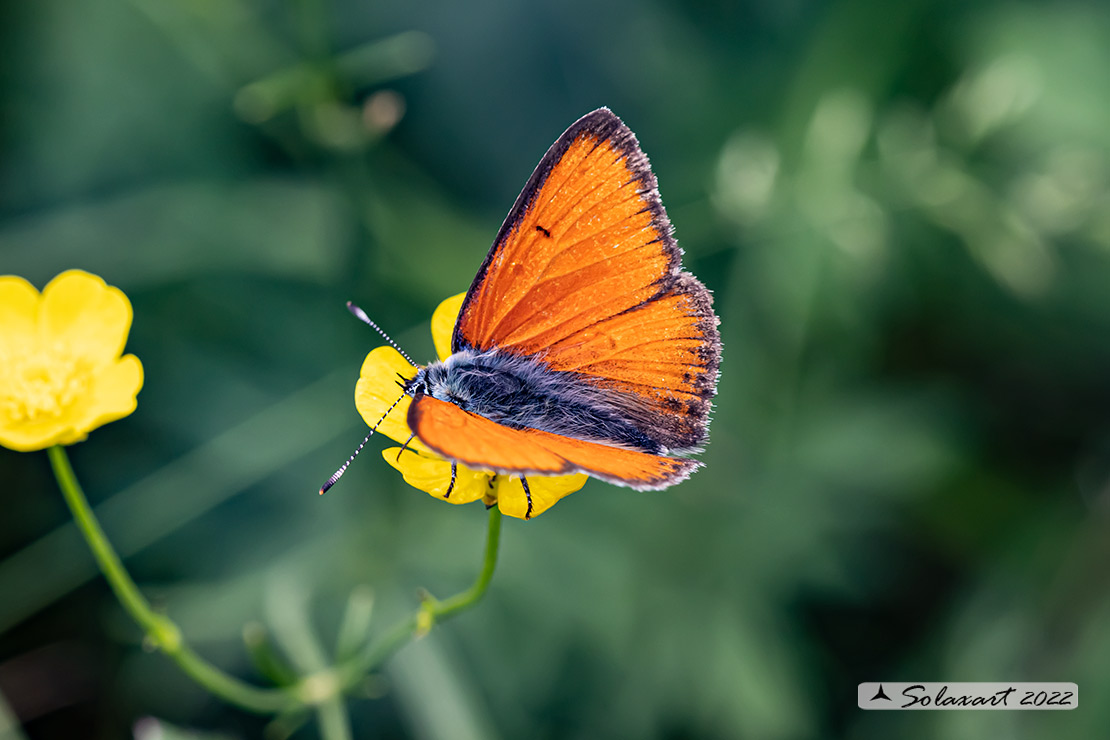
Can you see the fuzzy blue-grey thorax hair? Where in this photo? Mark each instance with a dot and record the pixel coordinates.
(522, 393)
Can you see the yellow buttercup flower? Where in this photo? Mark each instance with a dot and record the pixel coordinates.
(378, 388)
(61, 374)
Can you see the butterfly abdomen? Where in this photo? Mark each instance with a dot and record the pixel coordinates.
(523, 393)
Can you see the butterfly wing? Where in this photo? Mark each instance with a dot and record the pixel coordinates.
(477, 442)
(586, 277)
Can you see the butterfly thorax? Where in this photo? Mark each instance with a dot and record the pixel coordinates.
(523, 393)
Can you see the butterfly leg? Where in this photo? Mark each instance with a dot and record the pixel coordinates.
(451, 485)
(490, 481)
(527, 495)
(405, 446)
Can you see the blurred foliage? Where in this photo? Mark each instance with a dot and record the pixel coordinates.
(903, 210)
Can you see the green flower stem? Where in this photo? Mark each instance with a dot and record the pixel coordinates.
(159, 629)
(426, 616)
(321, 690)
(332, 719)
(440, 610)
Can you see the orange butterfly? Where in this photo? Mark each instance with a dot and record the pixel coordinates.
(582, 346)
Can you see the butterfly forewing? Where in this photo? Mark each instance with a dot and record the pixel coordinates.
(586, 277)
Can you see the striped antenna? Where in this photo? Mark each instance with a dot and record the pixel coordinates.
(343, 468)
(361, 316)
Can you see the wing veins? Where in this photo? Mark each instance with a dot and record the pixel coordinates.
(582, 195)
(570, 319)
(651, 299)
(487, 308)
(538, 212)
(618, 354)
(541, 275)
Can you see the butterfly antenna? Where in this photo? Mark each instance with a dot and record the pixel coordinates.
(343, 468)
(361, 316)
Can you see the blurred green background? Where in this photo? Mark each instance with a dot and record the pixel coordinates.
(903, 210)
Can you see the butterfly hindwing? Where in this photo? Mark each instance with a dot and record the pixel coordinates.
(585, 276)
(477, 442)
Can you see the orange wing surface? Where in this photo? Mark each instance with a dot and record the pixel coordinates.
(477, 442)
(586, 277)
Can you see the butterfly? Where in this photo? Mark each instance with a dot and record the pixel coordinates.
(582, 346)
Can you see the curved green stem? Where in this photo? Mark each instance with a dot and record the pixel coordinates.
(320, 690)
(440, 610)
(159, 629)
(429, 612)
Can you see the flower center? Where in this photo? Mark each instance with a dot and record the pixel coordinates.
(42, 385)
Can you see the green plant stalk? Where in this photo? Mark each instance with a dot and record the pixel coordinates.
(332, 719)
(166, 635)
(159, 629)
(440, 610)
(427, 615)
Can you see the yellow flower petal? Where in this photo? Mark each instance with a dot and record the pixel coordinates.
(27, 437)
(19, 303)
(114, 390)
(89, 317)
(546, 491)
(61, 375)
(443, 324)
(378, 389)
(432, 474)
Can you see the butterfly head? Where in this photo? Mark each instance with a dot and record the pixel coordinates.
(441, 380)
